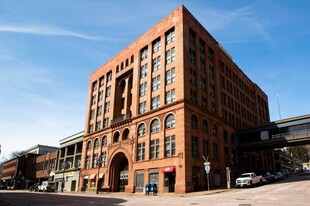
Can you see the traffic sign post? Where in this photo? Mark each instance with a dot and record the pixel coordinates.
(207, 168)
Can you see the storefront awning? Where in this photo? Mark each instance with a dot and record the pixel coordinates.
(167, 169)
(101, 175)
(92, 176)
(6, 178)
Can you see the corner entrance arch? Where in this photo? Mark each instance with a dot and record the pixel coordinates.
(119, 172)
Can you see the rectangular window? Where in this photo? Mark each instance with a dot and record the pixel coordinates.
(156, 64)
(193, 96)
(94, 86)
(213, 108)
(140, 151)
(106, 107)
(90, 128)
(93, 100)
(170, 76)
(170, 96)
(170, 146)
(143, 71)
(143, 89)
(87, 163)
(108, 91)
(155, 102)
(92, 114)
(212, 90)
(154, 151)
(194, 146)
(192, 57)
(101, 82)
(210, 54)
(156, 83)
(143, 53)
(156, 45)
(211, 72)
(203, 84)
(170, 36)
(170, 56)
(215, 152)
(109, 76)
(99, 111)
(206, 148)
(192, 76)
(106, 122)
(95, 161)
(142, 107)
(202, 46)
(103, 158)
(202, 64)
(100, 96)
(204, 103)
(98, 125)
(192, 37)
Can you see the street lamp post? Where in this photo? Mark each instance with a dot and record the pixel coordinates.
(63, 166)
(99, 162)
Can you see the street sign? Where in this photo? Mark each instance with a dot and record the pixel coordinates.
(207, 167)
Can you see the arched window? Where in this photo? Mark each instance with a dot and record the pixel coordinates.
(126, 133)
(141, 130)
(116, 137)
(170, 121)
(214, 129)
(194, 122)
(96, 143)
(155, 126)
(89, 145)
(205, 126)
(104, 141)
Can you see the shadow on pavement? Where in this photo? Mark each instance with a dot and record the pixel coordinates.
(46, 199)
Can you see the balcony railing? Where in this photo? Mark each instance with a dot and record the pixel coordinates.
(118, 121)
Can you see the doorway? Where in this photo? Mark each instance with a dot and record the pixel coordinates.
(169, 182)
(119, 173)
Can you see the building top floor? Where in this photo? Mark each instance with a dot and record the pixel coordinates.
(72, 139)
(41, 149)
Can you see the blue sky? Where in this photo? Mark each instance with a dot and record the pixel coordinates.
(49, 48)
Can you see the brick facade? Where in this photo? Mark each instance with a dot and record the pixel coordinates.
(169, 98)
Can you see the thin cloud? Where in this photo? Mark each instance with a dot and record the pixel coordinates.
(240, 24)
(46, 30)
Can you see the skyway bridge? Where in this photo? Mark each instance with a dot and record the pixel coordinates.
(282, 133)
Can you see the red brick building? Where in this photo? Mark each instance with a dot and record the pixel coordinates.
(169, 98)
(45, 167)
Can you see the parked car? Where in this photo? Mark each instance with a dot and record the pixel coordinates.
(3, 187)
(278, 176)
(46, 186)
(248, 179)
(268, 178)
(34, 187)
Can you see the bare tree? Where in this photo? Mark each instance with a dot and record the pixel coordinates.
(15, 154)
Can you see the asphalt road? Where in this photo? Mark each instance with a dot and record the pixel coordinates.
(290, 192)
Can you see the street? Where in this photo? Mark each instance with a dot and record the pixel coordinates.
(291, 191)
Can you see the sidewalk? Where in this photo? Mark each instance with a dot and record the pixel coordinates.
(121, 194)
